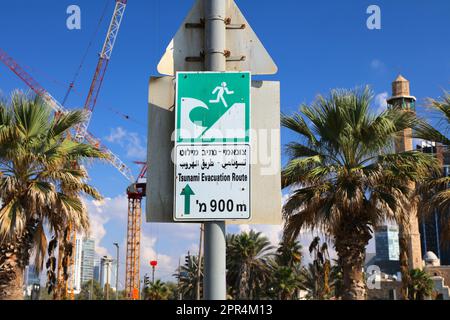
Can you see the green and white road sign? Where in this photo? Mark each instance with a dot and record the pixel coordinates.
(212, 149)
(213, 107)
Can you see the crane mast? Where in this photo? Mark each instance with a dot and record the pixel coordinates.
(135, 193)
(102, 66)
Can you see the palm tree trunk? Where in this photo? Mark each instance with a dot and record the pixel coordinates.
(351, 245)
(244, 285)
(404, 263)
(14, 257)
(11, 274)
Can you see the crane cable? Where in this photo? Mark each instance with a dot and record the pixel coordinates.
(126, 117)
(94, 35)
(60, 83)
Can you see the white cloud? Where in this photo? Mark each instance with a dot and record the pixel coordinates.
(381, 102)
(131, 141)
(166, 266)
(245, 228)
(97, 231)
(377, 65)
(272, 232)
(111, 213)
(100, 213)
(117, 135)
(116, 207)
(187, 231)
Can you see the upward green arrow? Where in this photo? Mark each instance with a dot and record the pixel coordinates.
(187, 193)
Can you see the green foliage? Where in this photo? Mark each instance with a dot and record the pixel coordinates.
(317, 276)
(284, 283)
(345, 177)
(92, 290)
(435, 193)
(38, 179)
(173, 291)
(257, 270)
(187, 276)
(289, 254)
(41, 184)
(420, 285)
(44, 295)
(286, 271)
(248, 264)
(157, 291)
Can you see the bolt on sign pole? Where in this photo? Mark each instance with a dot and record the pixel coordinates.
(215, 246)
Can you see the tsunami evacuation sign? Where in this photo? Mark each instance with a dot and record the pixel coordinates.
(212, 147)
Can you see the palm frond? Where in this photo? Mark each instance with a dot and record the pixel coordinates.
(66, 122)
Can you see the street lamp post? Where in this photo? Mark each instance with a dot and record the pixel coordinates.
(117, 270)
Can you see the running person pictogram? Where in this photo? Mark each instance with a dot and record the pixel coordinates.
(220, 91)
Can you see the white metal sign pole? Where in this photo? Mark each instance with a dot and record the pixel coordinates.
(215, 244)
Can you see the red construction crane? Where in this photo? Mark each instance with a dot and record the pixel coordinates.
(102, 65)
(58, 108)
(135, 194)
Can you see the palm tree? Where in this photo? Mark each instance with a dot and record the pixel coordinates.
(428, 132)
(289, 254)
(420, 286)
(157, 291)
(41, 186)
(248, 264)
(312, 281)
(322, 263)
(173, 290)
(285, 283)
(435, 193)
(318, 277)
(345, 178)
(286, 267)
(336, 278)
(187, 276)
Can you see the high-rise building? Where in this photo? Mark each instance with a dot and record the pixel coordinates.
(387, 250)
(402, 99)
(84, 263)
(87, 260)
(387, 243)
(97, 270)
(31, 279)
(113, 274)
(431, 223)
(77, 265)
(31, 276)
(108, 272)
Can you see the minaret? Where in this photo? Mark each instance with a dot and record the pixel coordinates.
(402, 99)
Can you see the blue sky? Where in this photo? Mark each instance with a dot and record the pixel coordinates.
(318, 45)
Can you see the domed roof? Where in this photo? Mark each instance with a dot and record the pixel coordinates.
(430, 256)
